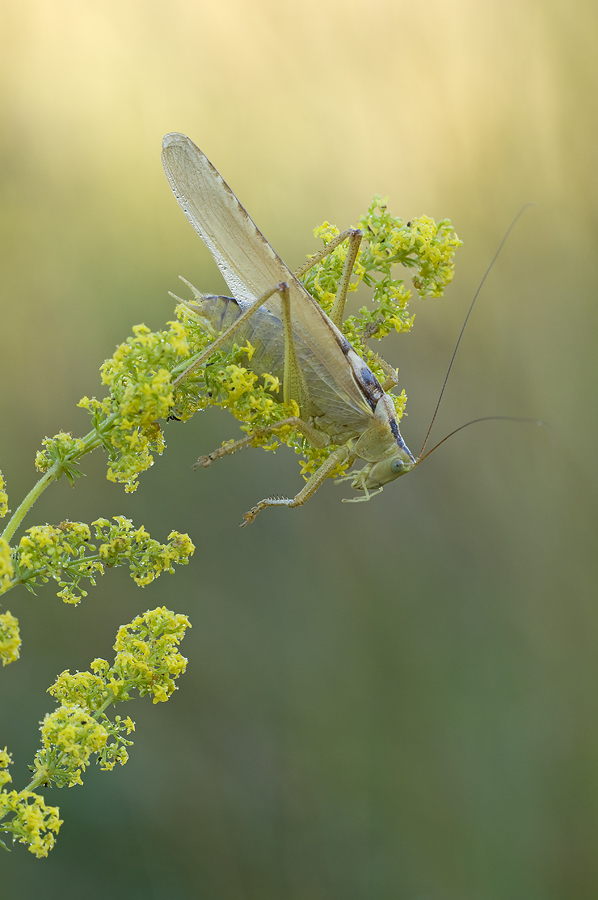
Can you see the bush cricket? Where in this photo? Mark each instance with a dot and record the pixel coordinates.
(340, 400)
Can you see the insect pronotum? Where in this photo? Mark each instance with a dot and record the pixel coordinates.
(340, 400)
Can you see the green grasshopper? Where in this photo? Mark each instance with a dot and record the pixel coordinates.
(340, 400)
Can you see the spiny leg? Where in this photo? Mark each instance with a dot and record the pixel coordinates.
(354, 235)
(340, 455)
(313, 436)
(337, 313)
(294, 384)
(326, 251)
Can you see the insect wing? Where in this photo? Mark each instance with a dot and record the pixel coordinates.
(250, 267)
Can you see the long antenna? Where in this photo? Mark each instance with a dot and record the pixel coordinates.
(421, 458)
(446, 377)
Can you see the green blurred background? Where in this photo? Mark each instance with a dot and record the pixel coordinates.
(395, 700)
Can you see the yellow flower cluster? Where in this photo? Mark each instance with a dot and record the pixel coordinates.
(32, 821)
(82, 688)
(139, 378)
(225, 382)
(400, 401)
(62, 450)
(10, 638)
(71, 732)
(147, 558)
(66, 554)
(147, 656)
(6, 566)
(3, 498)
(93, 694)
(5, 762)
(313, 459)
(322, 280)
(147, 660)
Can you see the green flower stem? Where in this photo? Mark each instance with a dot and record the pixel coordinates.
(92, 441)
(72, 569)
(35, 492)
(102, 709)
(39, 780)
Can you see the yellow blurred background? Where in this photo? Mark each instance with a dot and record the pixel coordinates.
(395, 700)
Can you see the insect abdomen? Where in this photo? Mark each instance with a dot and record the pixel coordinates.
(263, 331)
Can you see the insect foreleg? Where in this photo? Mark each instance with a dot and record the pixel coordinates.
(240, 320)
(359, 481)
(316, 439)
(339, 456)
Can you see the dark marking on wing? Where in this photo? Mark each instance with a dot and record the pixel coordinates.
(398, 438)
(370, 382)
(369, 386)
(343, 344)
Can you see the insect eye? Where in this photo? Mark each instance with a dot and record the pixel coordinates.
(396, 466)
